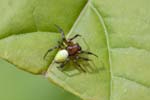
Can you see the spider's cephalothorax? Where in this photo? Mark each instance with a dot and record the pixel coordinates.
(69, 50)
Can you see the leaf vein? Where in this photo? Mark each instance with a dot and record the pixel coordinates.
(132, 80)
(107, 42)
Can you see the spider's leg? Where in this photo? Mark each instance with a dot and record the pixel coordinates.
(61, 31)
(90, 53)
(83, 58)
(63, 64)
(75, 62)
(77, 35)
(51, 49)
(61, 45)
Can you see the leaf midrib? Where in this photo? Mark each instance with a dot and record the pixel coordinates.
(108, 45)
(105, 31)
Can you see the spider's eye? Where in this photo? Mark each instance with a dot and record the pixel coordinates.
(61, 56)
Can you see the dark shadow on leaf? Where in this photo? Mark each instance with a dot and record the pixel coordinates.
(71, 70)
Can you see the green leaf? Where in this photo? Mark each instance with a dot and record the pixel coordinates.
(117, 31)
(27, 30)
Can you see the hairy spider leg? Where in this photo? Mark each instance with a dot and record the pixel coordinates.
(90, 53)
(61, 45)
(51, 49)
(79, 66)
(61, 31)
(83, 58)
(77, 35)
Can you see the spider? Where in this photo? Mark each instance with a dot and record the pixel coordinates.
(69, 50)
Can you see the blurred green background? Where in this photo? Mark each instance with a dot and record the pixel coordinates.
(16, 84)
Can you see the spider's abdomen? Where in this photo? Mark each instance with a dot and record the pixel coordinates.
(61, 56)
(73, 50)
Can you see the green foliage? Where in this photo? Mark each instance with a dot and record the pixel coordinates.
(117, 31)
(27, 30)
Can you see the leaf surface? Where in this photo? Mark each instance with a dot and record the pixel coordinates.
(117, 31)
